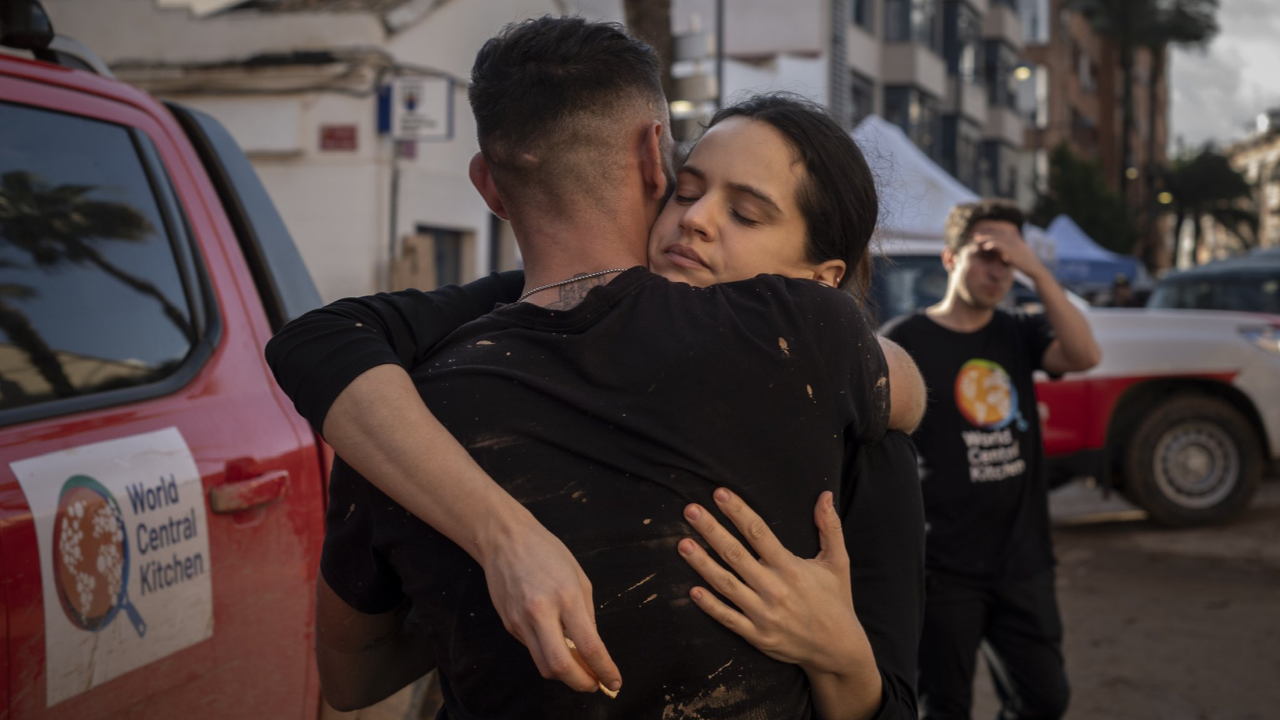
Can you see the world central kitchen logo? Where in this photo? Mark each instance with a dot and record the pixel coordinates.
(94, 547)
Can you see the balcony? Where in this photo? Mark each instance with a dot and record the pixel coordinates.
(1002, 23)
(906, 63)
(1004, 125)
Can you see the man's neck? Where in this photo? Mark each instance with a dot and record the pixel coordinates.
(561, 250)
(954, 313)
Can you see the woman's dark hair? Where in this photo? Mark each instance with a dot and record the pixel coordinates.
(838, 197)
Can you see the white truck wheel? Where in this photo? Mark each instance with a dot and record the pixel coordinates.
(1193, 460)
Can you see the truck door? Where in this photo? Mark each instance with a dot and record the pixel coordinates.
(160, 508)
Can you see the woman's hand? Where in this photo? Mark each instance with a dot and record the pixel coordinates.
(794, 610)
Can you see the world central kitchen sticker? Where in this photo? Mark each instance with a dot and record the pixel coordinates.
(124, 556)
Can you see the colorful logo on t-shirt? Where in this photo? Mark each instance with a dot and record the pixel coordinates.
(986, 396)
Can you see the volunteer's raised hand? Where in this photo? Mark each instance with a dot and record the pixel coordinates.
(794, 610)
(1009, 244)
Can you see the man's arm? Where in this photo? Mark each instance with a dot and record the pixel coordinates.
(343, 366)
(907, 393)
(364, 658)
(884, 533)
(380, 427)
(1074, 349)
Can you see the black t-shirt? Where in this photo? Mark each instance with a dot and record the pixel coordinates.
(982, 468)
(604, 421)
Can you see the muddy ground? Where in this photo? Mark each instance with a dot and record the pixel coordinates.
(1166, 624)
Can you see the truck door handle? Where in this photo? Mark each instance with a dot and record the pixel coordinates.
(244, 494)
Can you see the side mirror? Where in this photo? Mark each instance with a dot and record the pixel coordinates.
(24, 25)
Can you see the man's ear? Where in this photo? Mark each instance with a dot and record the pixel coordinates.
(948, 259)
(482, 179)
(653, 164)
(830, 273)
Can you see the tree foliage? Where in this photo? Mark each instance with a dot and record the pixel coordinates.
(1154, 25)
(1205, 186)
(1078, 190)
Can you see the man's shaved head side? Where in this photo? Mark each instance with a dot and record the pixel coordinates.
(555, 101)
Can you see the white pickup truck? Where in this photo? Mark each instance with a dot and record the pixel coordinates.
(1182, 416)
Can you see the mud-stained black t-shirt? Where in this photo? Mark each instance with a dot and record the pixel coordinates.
(605, 421)
(982, 460)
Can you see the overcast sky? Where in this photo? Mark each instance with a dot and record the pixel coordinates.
(1217, 94)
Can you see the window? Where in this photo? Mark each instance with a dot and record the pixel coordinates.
(1040, 171)
(1035, 21)
(92, 294)
(863, 15)
(1033, 97)
(962, 44)
(961, 143)
(913, 21)
(967, 153)
(917, 114)
(861, 97)
(447, 248)
(1001, 62)
(1247, 292)
(1002, 168)
(905, 283)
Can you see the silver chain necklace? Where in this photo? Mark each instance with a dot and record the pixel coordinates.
(578, 278)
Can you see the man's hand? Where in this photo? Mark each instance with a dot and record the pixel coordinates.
(542, 596)
(379, 425)
(1013, 250)
(1075, 348)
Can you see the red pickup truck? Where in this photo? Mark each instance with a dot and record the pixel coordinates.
(161, 504)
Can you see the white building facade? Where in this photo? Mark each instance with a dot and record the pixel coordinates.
(298, 84)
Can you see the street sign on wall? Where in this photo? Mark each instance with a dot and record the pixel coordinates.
(422, 108)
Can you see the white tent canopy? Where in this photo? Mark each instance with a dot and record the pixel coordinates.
(916, 194)
(1073, 243)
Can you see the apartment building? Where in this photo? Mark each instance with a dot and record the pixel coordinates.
(1258, 158)
(942, 70)
(945, 72)
(1072, 93)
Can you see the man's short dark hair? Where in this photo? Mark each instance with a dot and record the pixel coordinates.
(959, 228)
(547, 93)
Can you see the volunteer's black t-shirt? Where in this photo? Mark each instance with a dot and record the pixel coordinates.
(605, 420)
(982, 468)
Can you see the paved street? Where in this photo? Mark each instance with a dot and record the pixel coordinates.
(1166, 624)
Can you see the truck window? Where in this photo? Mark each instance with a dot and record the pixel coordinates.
(92, 296)
(904, 283)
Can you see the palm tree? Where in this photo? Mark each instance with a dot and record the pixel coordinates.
(23, 334)
(1077, 189)
(1205, 186)
(1189, 23)
(60, 224)
(1124, 22)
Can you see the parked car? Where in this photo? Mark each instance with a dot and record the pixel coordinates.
(161, 504)
(1180, 416)
(1249, 283)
